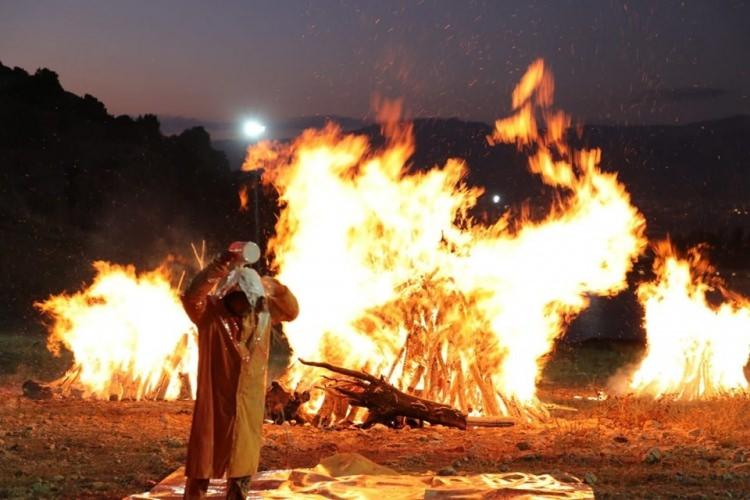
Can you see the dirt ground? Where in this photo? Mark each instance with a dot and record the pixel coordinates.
(623, 447)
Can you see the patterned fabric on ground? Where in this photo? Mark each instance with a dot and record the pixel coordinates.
(352, 476)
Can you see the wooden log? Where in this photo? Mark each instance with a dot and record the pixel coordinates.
(386, 403)
(186, 388)
(490, 421)
(64, 385)
(332, 410)
(460, 387)
(35, 390)
(438, 377)
(131, 387)
(488, 395)
(284, 405)
(160, 391)
(416, 378)
(396, 361)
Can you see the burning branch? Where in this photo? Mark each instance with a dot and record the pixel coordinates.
(388, 405)
(200, 257)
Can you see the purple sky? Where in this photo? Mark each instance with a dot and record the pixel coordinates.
(636, 62)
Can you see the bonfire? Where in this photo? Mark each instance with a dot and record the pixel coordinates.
(395, 277)
(397, 281)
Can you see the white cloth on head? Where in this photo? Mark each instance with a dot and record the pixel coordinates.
(243, 278)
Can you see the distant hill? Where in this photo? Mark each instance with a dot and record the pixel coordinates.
(685, 177)
(280, 130)
(707, 161)
(698, 162)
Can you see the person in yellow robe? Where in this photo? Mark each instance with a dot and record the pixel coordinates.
(233, 308)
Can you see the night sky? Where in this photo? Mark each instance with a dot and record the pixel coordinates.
(624, 62)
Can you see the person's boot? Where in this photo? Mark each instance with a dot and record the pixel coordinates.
(195, 489)
(238, 488)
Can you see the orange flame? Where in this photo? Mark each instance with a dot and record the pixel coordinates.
(243, 198)
(128, 333)
(695, 350)
(393, 275)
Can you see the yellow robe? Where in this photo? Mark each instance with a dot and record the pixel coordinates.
(251, 396)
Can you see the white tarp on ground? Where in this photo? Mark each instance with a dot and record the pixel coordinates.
(351, 476)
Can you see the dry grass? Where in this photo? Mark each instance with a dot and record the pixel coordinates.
(720, 419)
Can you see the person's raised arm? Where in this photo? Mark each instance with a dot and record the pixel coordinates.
(195, 297)
(282, 304)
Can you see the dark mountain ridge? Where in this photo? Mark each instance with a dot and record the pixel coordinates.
(78, 184)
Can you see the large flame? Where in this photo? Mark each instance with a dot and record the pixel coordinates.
(695, 349)
(128, 332)
(393, 275)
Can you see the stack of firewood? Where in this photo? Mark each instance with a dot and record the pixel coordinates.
(123, 385)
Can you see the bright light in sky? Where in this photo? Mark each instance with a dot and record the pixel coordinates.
(495, 198)
(253, 129)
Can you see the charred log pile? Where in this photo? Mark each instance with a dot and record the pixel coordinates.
(389, 406)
